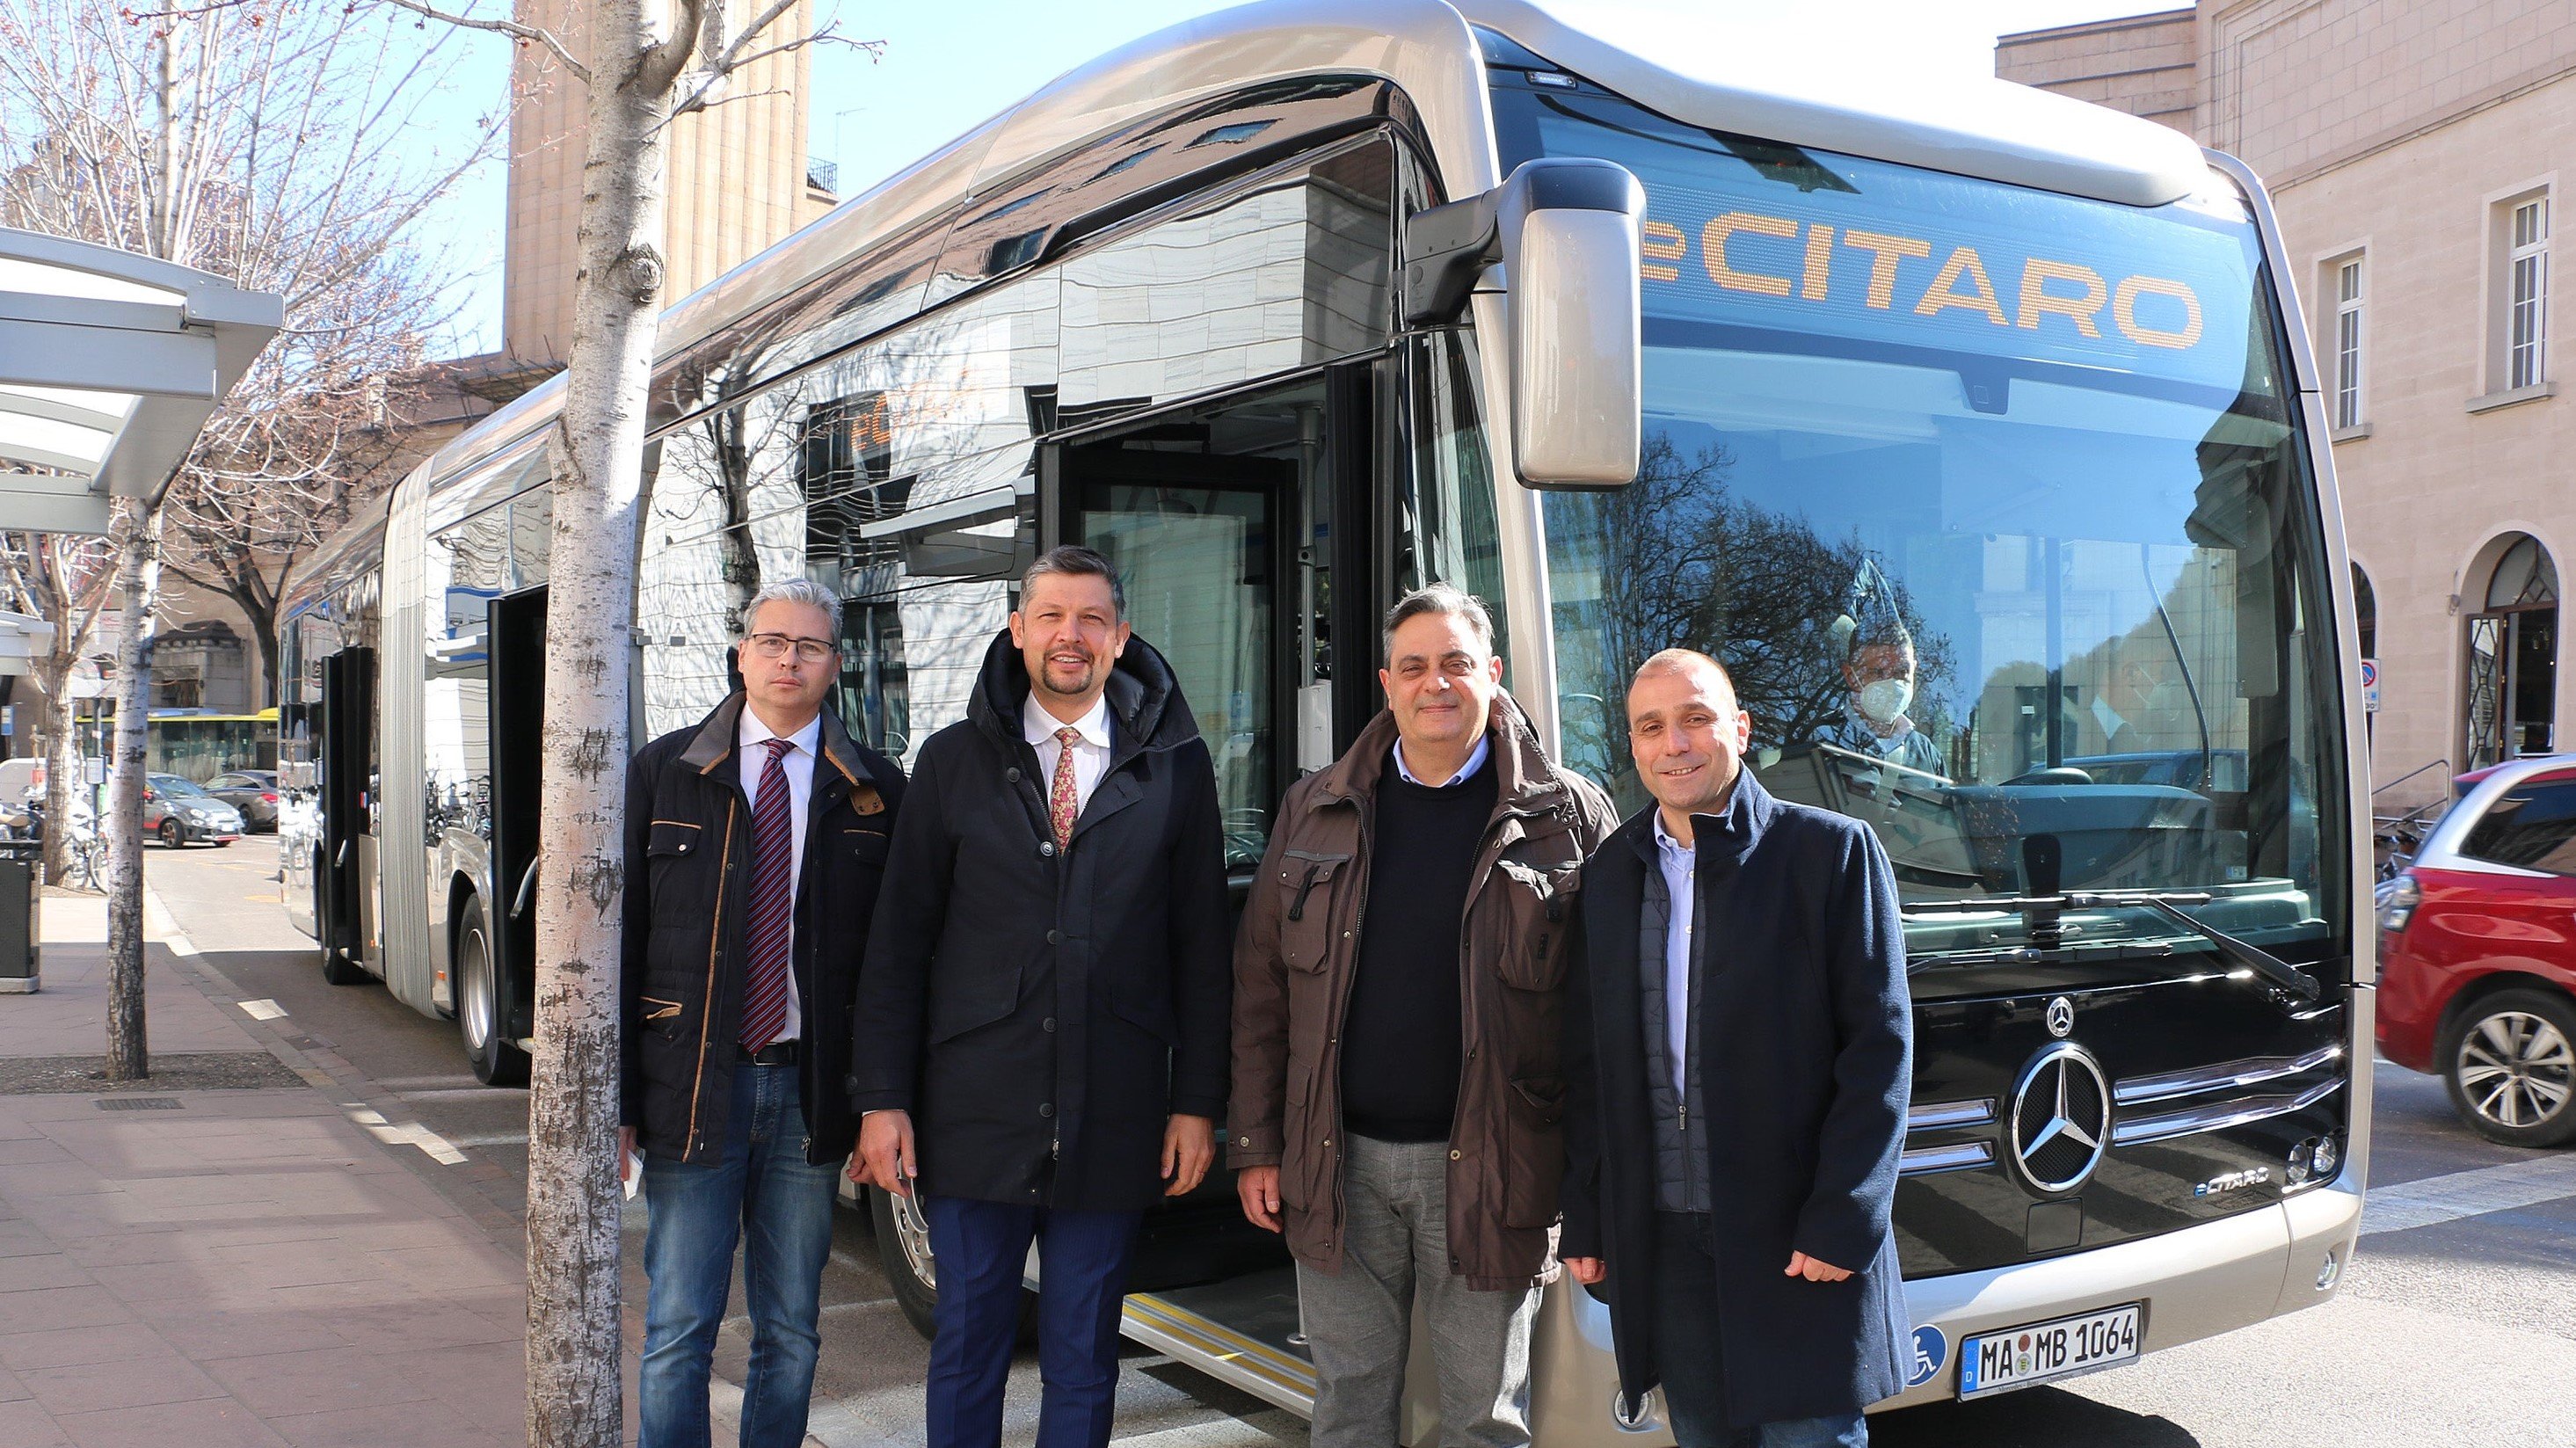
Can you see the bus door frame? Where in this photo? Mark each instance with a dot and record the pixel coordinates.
(346, 760)
(516, 642)
(1361, 449)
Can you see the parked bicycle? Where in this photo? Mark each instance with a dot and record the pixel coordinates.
(84, 850)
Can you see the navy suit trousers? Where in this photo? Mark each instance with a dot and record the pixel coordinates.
(1082, 1260)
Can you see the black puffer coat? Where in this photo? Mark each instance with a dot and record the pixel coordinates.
(1041, 1013)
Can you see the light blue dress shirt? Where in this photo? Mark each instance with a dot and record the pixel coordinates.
(1466, 771)
(1679, 863)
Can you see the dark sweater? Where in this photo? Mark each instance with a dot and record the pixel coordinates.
(1401, 1036)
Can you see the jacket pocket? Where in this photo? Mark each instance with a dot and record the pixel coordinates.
(1305, 887)
(661, 1017)
(868, 847)
(967, 997)
(672, 839)
(1534, 1152)
(1539, 910)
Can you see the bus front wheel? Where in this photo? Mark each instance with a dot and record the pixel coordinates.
(481, 1015)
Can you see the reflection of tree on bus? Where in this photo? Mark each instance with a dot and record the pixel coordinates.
(1694, 566)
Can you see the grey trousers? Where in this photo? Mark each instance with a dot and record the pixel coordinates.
(1395, 1248)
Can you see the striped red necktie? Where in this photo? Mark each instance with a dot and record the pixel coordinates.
(773, 902)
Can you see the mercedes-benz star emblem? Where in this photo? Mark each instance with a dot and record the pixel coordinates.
(2061, 1118)
(2061, 1018)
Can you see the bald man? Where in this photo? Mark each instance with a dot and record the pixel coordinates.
(1738, 1056)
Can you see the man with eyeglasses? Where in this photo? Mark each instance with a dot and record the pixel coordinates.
(755, 845)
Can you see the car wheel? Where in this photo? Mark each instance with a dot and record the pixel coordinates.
(172, 836)
(2510, 1064)
(479, 1008)
(903, 1249)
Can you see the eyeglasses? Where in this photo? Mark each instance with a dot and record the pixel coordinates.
(777, 646)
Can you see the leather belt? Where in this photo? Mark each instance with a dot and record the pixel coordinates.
(776, 1053)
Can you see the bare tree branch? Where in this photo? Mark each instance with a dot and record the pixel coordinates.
(524, 34)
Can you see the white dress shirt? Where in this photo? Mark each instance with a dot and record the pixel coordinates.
(1679, 863)
(1090, 752)
(798, 764)
(1466, 771)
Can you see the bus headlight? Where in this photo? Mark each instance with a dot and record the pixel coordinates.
(2327, 1156)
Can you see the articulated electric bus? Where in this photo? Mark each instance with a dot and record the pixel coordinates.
(1975, 429)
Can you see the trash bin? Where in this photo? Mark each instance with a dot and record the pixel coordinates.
(18, 862)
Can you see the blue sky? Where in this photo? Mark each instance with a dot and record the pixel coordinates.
(947, 66)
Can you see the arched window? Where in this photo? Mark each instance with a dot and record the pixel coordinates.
(2512, 694)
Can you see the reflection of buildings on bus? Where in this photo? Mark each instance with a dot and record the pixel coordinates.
(899, 474)
(2412, 152)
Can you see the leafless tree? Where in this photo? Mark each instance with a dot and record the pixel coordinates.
(643, 63)
(65, 580)
(262, 143)
(278, 146)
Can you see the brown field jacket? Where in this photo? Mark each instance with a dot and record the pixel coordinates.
(1293, 967)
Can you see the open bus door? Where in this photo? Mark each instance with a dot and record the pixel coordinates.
(345, 755)
(518, 695)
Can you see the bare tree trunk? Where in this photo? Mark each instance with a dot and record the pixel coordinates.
(59, 726)
(138, 585)
(597, 455)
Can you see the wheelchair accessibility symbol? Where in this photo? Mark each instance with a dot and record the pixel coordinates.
(1931, 1350)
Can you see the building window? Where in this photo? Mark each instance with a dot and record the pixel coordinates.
(2527, 308)
(2347, 343)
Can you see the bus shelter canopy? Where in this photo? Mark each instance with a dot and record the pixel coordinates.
(110, 364)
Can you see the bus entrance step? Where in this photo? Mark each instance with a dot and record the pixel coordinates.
(1241, 1331)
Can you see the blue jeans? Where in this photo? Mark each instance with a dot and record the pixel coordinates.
(1082, 1284)
(1691, 1358)
(760, 1192)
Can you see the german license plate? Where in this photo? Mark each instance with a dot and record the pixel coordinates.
(2017, 1357)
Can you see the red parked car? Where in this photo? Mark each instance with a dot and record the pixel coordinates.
(2477, 950)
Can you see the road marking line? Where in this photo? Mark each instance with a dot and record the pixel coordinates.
(409, 1133)
(2430, 1201)
(261, 1010)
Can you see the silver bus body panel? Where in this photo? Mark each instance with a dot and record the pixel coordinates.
(2362, 994)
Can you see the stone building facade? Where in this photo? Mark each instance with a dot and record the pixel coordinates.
(2413, 150)
(741, 179)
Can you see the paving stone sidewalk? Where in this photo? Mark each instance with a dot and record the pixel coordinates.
(244, 1266)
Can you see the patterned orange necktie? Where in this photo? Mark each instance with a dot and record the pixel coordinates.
(1060, 794)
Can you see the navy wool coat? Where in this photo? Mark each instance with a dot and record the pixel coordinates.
(1806, 1069)
(1043, 1012)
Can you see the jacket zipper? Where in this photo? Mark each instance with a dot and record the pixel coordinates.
(715, 942)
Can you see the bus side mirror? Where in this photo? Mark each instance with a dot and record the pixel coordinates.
(1566, 232)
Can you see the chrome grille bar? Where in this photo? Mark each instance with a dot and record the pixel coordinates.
(1924, 1160)
(1941, 1115)
(2218, 1115)
(2223, 1076)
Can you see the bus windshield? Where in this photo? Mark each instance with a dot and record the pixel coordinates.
(1994, 504)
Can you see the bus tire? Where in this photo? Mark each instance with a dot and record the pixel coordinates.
(338, 969)
(903, 1249)
(480, 1010)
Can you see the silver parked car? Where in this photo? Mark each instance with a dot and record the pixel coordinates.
(177, 810)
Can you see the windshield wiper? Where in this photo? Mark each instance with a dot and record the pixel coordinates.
(2255, 958)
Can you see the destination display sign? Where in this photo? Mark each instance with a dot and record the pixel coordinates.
(1886, 253)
